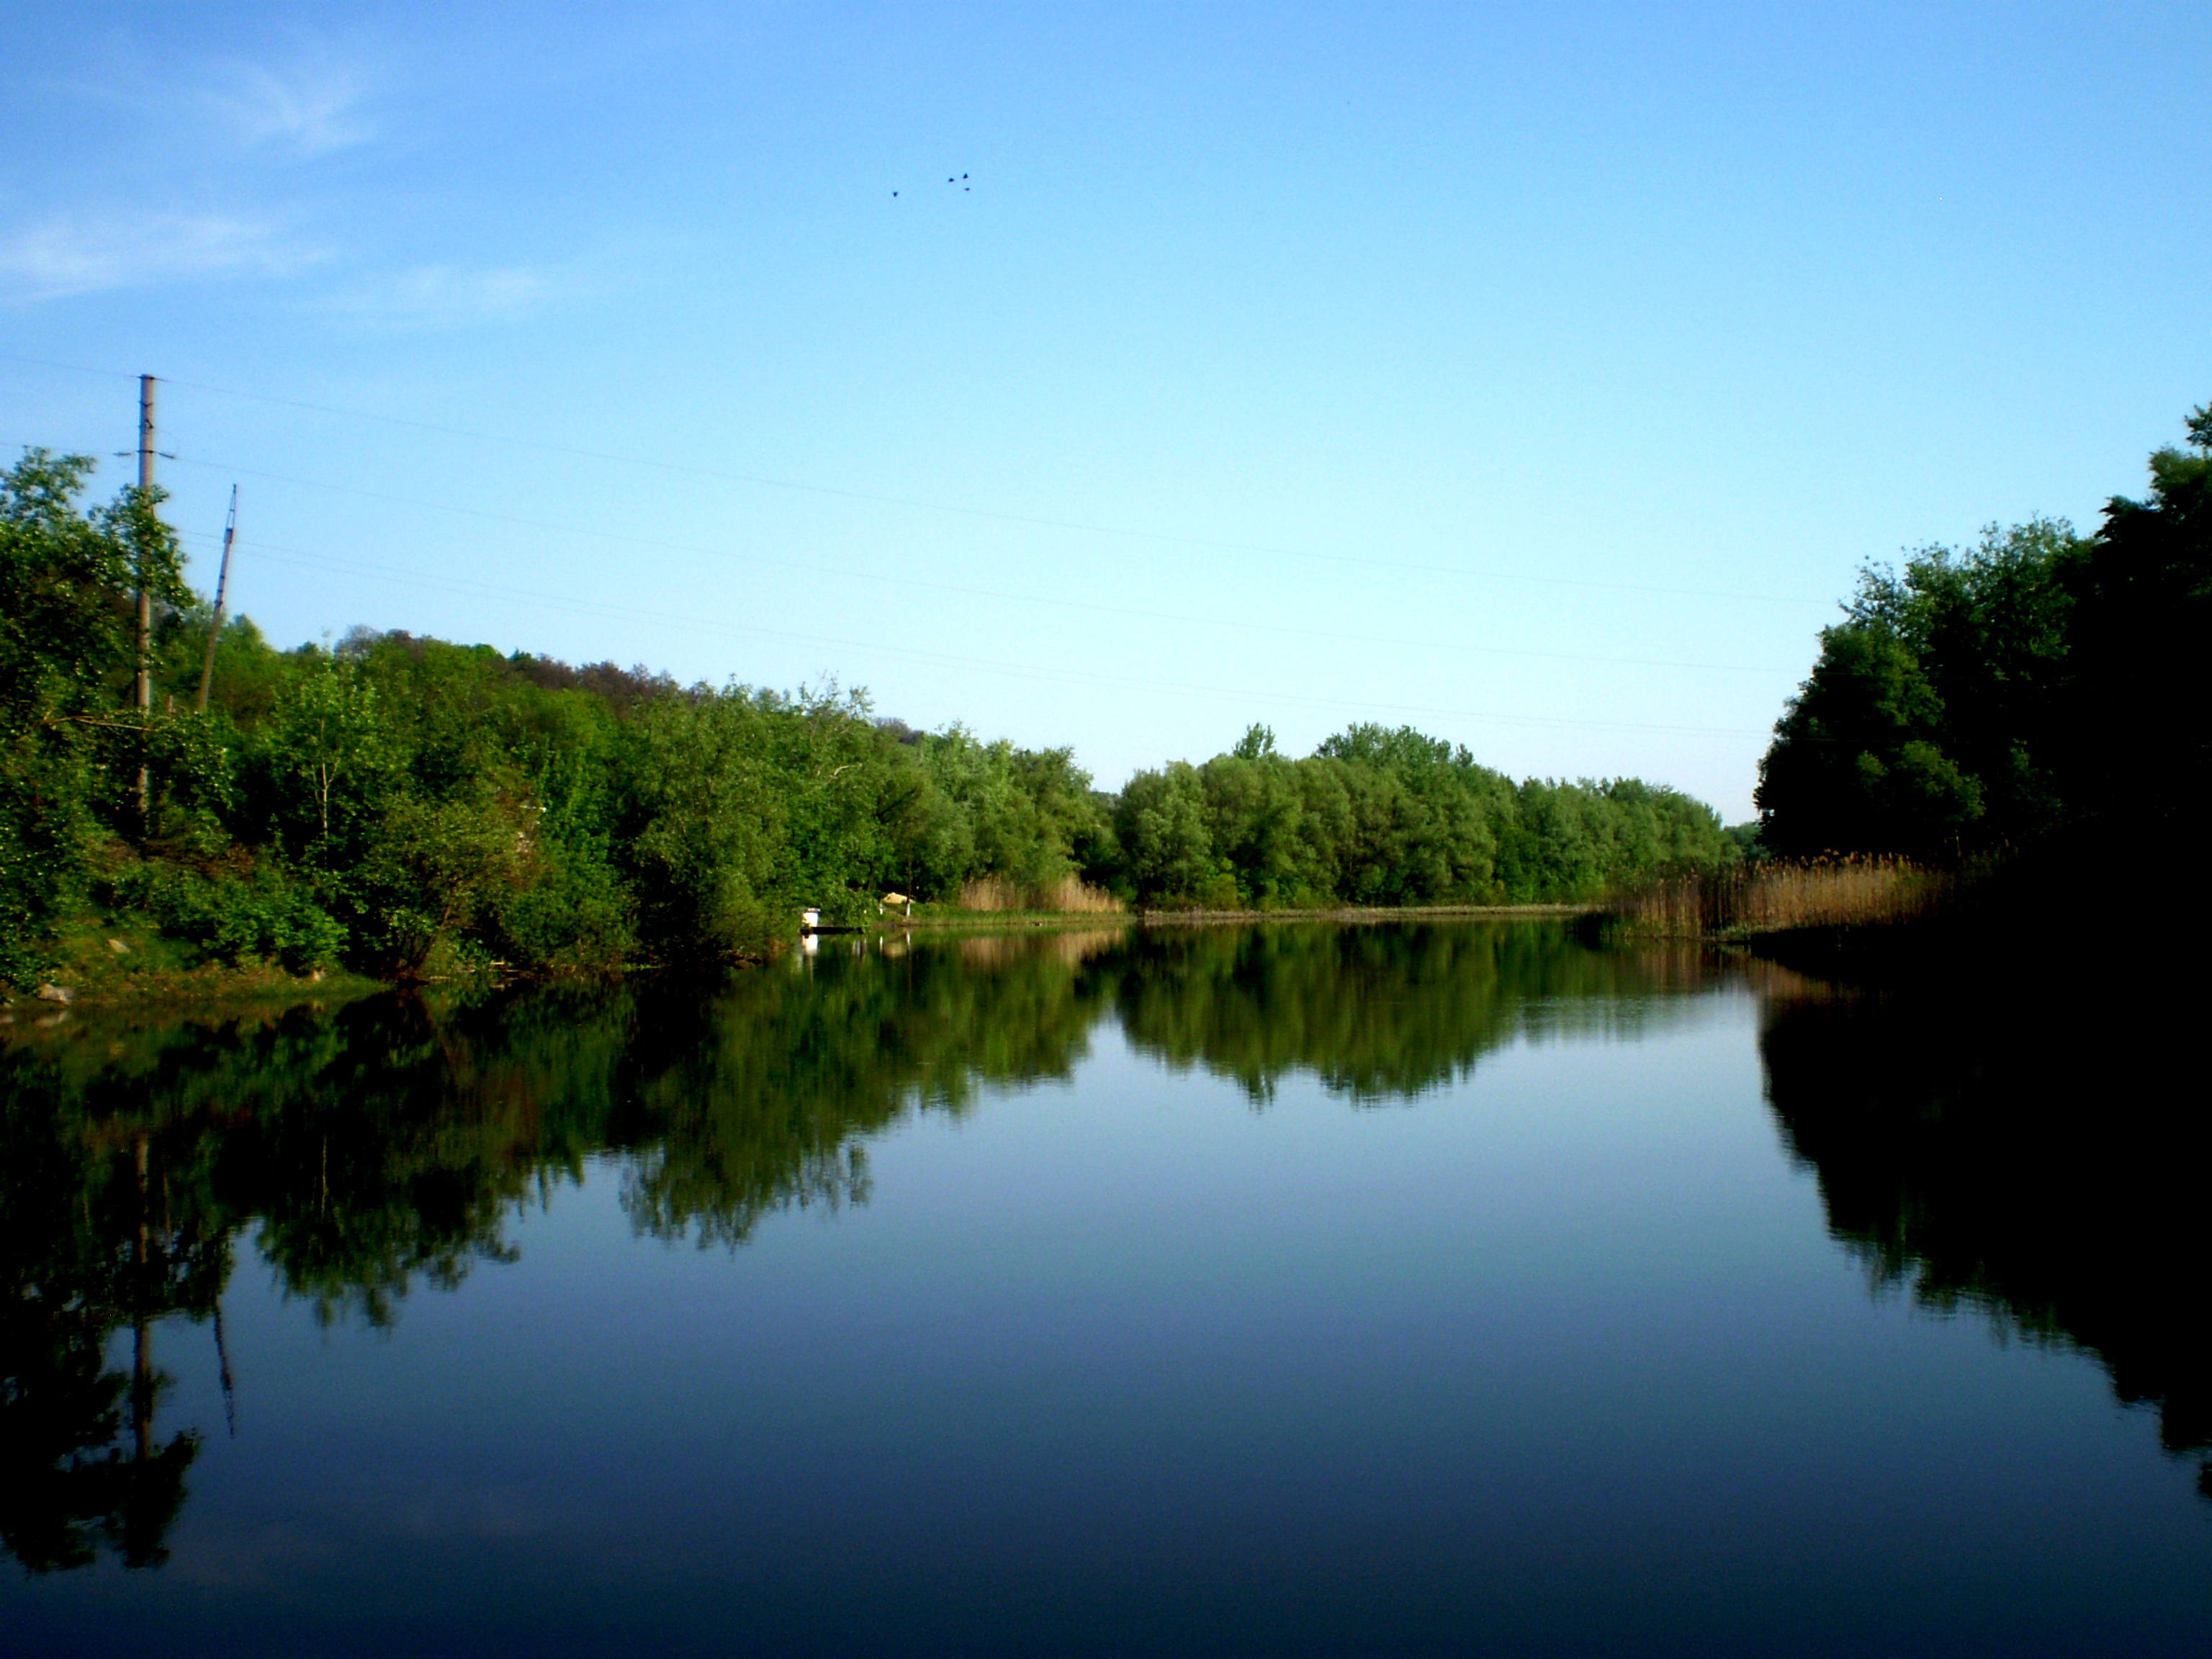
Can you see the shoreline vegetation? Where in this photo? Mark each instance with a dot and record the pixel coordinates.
(410, 810)
(1984, 726)
(1845, 918)
(1752, 901)
(2037, 696)
(406, 809)
(979, 921)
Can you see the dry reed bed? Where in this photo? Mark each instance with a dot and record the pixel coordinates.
(1067, 896)
(1763, 898)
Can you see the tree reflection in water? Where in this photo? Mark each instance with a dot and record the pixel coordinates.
(2036, 1159)
(1379, 1013)
(389, 1143)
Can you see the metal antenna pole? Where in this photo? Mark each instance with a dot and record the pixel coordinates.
(221, 581)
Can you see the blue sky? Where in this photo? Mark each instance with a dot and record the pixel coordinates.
(1537, 375)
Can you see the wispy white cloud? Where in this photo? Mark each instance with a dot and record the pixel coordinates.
(448, 296)
(306, 108)
(306, 98)
(67, 253)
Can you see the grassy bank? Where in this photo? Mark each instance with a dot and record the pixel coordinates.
(943, 918)
(210, 989)
(103, 958)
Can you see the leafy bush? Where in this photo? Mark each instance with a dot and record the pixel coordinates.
(264, 915)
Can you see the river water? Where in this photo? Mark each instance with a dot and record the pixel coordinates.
(1422, 1288)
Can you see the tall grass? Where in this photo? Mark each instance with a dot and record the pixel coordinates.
(1068, 895)
(1768, 897)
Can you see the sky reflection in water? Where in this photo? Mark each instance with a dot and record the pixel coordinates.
(1295, 1289)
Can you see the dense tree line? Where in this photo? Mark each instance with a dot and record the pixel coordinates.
(2038, 690)
(406, 805)
(1388, 817)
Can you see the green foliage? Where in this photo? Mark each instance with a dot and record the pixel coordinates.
(67, 654)
(1383, 817)
(248, 675)
(1921, 730)
(262, 915)
(434, 873)
(2027, 689)
(1166, 840)
(974, 809)
(65, 630)
(327, 762)
(698, 824)
(416, 808)
(2134, 733)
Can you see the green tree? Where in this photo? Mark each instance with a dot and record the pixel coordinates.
(68, 652)
(1166, 842)
(328, 746)
(2030, 690)
(1927, 725)
(2136, 728)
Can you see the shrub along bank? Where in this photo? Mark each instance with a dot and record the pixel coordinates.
(1979, 729)
(406, 806)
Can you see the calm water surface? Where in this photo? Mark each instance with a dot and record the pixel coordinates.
(1391, 1290)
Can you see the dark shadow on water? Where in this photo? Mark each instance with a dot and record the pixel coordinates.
(2030, 1150)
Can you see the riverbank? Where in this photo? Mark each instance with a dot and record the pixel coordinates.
(148, 973)
(1365, 912)
(1882, 923)
(988, 920)
(210, 993)
(111, 959)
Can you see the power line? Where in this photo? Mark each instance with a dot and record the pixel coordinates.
(1036, 521)
(962, 591)
(1015, 669)
(1025, 671)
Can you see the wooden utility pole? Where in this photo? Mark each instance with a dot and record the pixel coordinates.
(145, 603)
(221, 581)
(145, 685)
